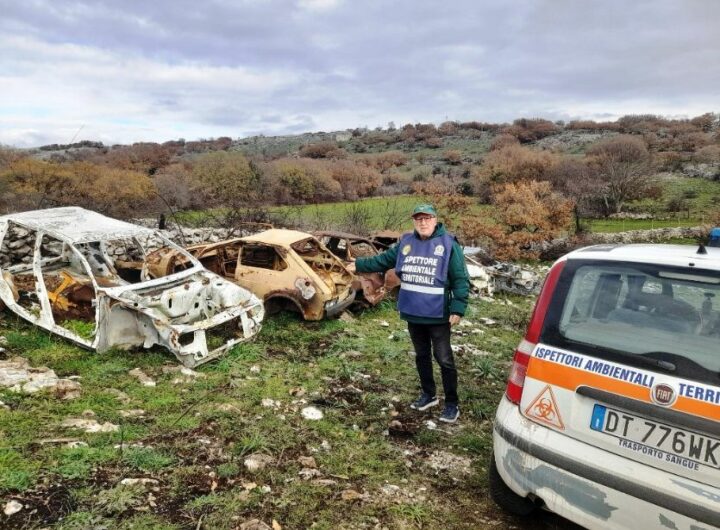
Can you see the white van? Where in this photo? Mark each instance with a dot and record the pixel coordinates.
(611, 416)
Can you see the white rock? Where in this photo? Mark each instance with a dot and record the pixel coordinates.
(12, 507)
(431, 425)
(89, 425)
(257, 462)
(307, 473)
(142, 480)
(270, 403)
(144, 379)
(19, 376)
(132, 413)
(312, 413)
(255, 369)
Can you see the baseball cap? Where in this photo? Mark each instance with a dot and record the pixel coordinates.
(424, 208)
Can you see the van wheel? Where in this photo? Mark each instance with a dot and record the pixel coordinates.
(506, 498)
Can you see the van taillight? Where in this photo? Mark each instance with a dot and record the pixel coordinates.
(521, 360)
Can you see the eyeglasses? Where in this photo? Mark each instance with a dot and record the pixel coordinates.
(423, 219)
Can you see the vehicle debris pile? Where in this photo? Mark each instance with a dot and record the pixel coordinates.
(372, 287)
(504, 277)
(287, 269)
(85, 277)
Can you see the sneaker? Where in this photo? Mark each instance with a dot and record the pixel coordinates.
(424, 402)
(450, 413)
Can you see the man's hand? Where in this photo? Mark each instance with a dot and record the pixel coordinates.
(351, 267)
(455, 319)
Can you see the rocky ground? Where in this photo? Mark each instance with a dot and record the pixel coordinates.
(306, 427)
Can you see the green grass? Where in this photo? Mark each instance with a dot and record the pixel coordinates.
(194, 437)
(700, 196)
(622, 225)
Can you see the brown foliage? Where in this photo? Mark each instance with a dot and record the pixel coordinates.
(301, 181)
(8, 155)
(453, 156)
(503, 140)
(623, 165)
(528, 214)
(590, 125)
(512, 163)
(226, 178)
(36, 184)
(705, 122)
(356, 180)
(175, 186)
(322, 150)
(530, 130)
(708, 155)
(143, 157)
(434, 142)
(448, 128)
(385, 161)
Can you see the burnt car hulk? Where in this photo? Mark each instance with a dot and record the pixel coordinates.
(371, 287)
(289, 270)
(85, 277)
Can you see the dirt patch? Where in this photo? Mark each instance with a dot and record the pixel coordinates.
(42, 505)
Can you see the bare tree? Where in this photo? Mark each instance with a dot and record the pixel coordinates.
(623, 165)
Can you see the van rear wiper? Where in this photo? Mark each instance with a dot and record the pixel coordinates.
(632, 357)
(665, 365)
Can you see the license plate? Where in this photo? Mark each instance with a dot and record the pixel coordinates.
(669, 444)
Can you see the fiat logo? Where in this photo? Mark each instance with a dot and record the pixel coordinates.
(663, 394)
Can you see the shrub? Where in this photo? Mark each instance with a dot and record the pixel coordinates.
(513, 163)
(528, 214)
(503, 140)
(356, 180)
(321, 150)
(302, 181)
(623, 165)
(452, 156)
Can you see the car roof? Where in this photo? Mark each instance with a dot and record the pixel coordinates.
(674, 255)
(278, 236)
(75, 225)
(345, 235)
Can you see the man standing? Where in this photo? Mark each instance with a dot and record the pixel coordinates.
(433, 296)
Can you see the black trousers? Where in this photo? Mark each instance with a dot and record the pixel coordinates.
(435, 339)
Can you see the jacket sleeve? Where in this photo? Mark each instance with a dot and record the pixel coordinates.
(380, 263)
(459, 281)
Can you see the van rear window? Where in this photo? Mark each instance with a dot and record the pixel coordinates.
(639, 314)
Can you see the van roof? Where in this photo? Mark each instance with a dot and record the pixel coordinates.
(674, 255)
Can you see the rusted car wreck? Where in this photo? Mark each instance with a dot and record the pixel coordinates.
(85, 277)
(289, 270)
(371, 287)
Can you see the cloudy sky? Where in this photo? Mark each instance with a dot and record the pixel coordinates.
(126, 71)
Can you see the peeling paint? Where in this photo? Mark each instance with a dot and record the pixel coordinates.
(667, 523)
(575, 491)
(699, 491)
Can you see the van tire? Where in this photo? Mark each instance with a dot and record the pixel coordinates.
(506, 498)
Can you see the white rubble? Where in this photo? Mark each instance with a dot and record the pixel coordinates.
(19, 376)
(91, 426)
(312, 413)
(144, 379)
(12, 507)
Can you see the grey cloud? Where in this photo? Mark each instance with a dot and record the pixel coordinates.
(377, 61)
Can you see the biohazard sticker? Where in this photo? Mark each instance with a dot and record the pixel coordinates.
(406, 250)
(545, 410)
(439, 250)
